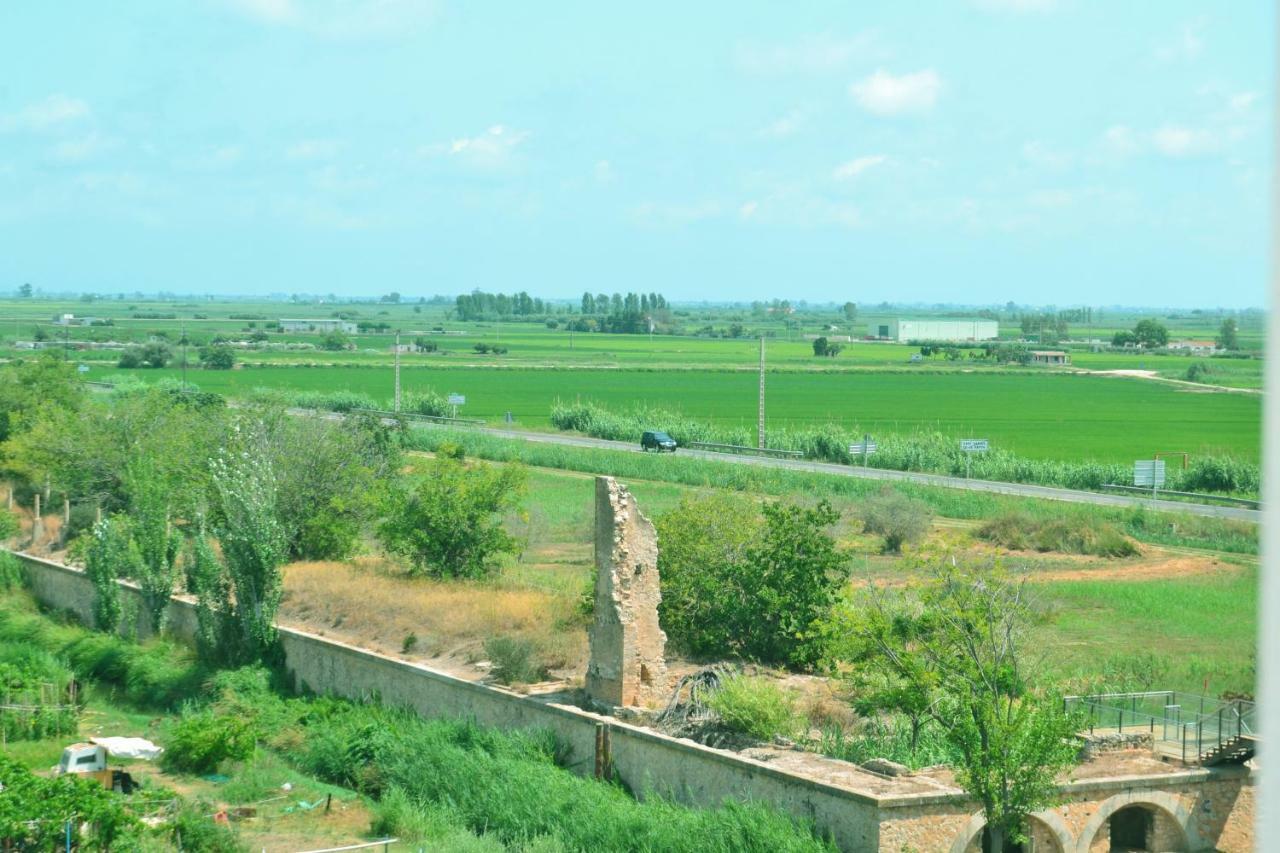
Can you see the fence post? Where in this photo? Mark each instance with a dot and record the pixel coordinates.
(37, 522)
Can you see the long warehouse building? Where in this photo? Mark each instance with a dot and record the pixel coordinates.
(903, 331)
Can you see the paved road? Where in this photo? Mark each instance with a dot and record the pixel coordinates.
(1018, 489)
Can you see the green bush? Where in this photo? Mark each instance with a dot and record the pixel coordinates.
(1076, 533)
(751, 581)
(757, 707)
(9, 526)
(899, 519)
(12, 574)
(515, 660)
(201, 740)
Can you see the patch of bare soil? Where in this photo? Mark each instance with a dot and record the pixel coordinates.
(1161, 569)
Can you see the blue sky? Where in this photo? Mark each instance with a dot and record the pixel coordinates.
(1042, 151)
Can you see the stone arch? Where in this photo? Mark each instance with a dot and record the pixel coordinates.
(1049, 822)
(1160, 802)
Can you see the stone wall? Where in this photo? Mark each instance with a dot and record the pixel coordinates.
(1203, 809)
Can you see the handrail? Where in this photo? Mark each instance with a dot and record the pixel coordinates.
(1218, 723)
(738, 448)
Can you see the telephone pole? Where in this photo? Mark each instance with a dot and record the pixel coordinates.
(760, 422)
(397, 356)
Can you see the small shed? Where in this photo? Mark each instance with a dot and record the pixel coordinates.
(1050, 356)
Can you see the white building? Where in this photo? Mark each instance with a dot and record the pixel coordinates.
(318, 325)
(903, 331)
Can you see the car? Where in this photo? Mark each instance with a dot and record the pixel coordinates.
(659, 441)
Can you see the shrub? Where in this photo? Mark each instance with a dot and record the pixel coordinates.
(202, 740)
(899, 519)
(12, 575)
(1077, 533)
(450, 523)
(515, 660)
(757, 707)
(425, 403)
(747, 581)
(9, 526)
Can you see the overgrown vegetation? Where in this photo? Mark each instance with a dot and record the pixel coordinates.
(1020, 531)
(757, 707)
(901, 520)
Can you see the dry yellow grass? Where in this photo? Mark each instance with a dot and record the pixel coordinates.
(369, 602)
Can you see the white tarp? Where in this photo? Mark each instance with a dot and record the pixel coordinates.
(129, 747)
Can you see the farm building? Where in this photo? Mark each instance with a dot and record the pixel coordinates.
(1050, 356)
(1193, 346)
(902, 331)
(318, 325)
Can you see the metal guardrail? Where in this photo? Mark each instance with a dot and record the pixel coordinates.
(750, 451)
(1244, 502)
(414, 416)
(1190, 725)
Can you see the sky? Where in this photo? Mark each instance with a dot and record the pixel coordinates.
(1048, 152)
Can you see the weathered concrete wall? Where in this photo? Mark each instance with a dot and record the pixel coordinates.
(1196, 810)
(628, 665)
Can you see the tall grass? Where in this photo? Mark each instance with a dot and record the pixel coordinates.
(1145, 526)
(929, 451)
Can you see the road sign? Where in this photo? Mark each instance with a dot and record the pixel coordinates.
(974, 445)
(862, 448)
(83, 368)
(457, 400)
(1149, 472)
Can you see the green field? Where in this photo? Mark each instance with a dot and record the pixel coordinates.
(1041, 415)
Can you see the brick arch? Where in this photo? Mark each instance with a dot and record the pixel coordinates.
(1049, 820)
(1158, 801)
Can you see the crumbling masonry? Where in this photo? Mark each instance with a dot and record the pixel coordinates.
(627, 665)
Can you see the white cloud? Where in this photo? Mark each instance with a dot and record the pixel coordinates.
(1184, 47)
(1016, 5)
(748, 209)
(855, 167)
(1039, 154)
(1242, 102)
(78, 150)
(312, 149)
(883, 93)
(341, 18)
(816, 54)
(493, 149)
(681, 213)
(787, 125)
(1121, 139)
(54, 110)
(1181, 141)
(604, 173)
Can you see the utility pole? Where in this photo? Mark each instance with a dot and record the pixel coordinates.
(760, 421)
(397, 356)
(184, 355)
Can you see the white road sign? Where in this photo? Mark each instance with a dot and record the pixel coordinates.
(1148, 472)
(867, 447)
(974, 445)
(457, 400)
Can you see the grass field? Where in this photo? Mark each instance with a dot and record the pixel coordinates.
(1062, 416)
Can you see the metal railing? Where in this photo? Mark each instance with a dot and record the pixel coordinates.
(749, 451)
(1226, 499)
(414, 416)
(1189, 725)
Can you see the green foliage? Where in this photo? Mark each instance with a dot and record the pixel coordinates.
(901, 520)
(1075, 534)
(756, 706)
(12, 574)
(154, 354)
(35, 810)
(253, 545)
(1228, 335)
(1150, 333)
(9, 526)
(202, 739)
(515, 660)
(35, 685)
(426, 402)
(335, 341)
(333, 401)
(963, 648)
(111, 555)
(191, 829)
(752, 583)
(208, 580)
(218, 357)
(891, 736)
(1197, 371)
(47, 382)
(450, 523)
(156, 541)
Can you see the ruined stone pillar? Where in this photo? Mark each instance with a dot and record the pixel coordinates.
(627, 665)
(37, 522)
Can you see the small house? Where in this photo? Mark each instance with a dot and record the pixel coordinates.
(1050, 356)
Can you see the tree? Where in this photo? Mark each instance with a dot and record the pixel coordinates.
(1228, 335)
(963, 653)
(253, 544)
(1124, 338)
(218, 357)
(153, 535)
(741, 580)
(392, 298)
(899, 519)
(43, 813)
(1150, 333)
(335, 341)
(25, 291)
(153, 354)
(111, 555)
(820, 346)
(450, 523)
(850, 312)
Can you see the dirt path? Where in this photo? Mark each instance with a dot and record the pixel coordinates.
(1201, 387)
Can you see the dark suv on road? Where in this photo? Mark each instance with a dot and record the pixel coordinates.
(658, 441)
